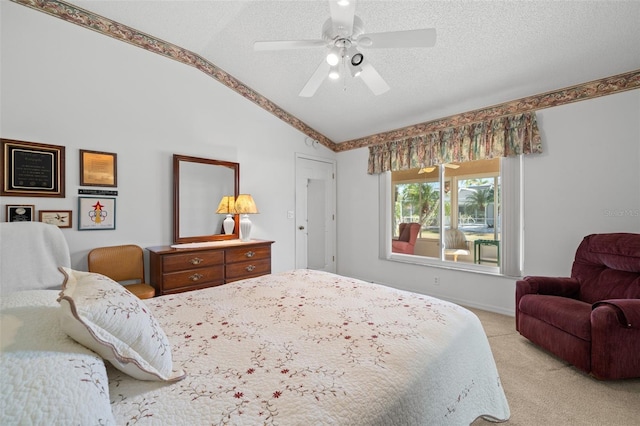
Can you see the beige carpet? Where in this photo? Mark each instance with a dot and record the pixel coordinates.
(544, 390)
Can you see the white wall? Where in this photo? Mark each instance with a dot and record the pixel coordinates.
(587, 181)
(65, 85)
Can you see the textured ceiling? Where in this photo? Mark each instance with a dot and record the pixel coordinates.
(487, 52)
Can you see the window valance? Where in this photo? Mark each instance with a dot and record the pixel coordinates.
(500, 137)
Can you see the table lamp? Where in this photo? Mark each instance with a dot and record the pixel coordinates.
(245, 206)
(227, 206)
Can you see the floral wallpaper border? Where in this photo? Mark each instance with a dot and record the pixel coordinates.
(100, 24)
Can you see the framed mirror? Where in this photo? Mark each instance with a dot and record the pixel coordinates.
(198, 187)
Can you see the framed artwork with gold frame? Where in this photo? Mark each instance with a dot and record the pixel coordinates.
(98, 168)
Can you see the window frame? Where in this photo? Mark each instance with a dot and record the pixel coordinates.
(511, 240)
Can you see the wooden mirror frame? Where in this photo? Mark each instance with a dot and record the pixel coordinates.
(177, 160)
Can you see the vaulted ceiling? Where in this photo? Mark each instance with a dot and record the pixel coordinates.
(487, 53)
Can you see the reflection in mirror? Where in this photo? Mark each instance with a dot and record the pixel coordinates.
(199, 185)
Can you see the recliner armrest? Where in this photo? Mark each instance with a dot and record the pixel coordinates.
(554, 286)
(627, 310)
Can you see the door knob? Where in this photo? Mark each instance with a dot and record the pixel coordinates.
(301, 227)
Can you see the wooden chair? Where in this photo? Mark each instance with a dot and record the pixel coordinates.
(124, 264)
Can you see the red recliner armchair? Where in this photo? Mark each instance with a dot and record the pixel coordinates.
(407, 239)
(592, 319)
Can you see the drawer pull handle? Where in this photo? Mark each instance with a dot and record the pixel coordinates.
(195, 261)
(250, 254)
(250, 268)
(196, 277)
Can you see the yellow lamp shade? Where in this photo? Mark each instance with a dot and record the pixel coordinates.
(226, 204)
(245, 205)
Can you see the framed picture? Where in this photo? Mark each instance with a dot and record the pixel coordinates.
(98, 168)
(32, 169)
(20, 213)
(96, 213)
(60, 218)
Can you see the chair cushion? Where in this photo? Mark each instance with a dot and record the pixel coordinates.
(141, 290)
(405, 232)
(608, 267)
(619, 251)
(569, 315)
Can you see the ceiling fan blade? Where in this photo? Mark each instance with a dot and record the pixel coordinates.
(316, 80)
(432, 168)
(426, 170)
(287, 44)
(342, 12)
(412, 38)
(373, 80)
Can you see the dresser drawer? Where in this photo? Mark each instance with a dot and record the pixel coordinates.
(174, 270)
(198, 276)
(248, 253)
(200, 259)
(252, 268)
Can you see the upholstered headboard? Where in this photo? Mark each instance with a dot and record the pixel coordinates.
(30, 254)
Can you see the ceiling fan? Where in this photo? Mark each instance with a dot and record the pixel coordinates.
(432, 168)
(342, 35)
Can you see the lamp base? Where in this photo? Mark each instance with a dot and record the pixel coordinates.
(245, 228)
(228, 224)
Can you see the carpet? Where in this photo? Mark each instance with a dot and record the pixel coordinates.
(545, 390)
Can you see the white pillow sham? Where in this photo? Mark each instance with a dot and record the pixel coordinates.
(104, 316)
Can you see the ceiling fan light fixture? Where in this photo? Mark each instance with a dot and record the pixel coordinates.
(342, 35)
(334, 73)
(333, 57)
(357, 59)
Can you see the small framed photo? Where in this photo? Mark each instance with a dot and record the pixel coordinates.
(96, 213)
(98, 168)
(60, 218)
(20, 213)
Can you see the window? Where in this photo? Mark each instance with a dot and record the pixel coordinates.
(463, 221)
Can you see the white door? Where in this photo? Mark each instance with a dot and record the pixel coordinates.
(315, 213)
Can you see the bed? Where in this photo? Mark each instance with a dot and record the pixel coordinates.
(290, 348)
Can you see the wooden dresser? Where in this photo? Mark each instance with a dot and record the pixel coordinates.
(199, 265)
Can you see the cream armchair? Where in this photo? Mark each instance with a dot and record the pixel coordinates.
(455, 244)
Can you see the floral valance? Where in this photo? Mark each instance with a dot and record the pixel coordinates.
(500, 137)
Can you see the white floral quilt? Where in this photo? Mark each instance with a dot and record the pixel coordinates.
(312, 348)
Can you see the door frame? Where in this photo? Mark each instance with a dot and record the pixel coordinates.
(332, 234)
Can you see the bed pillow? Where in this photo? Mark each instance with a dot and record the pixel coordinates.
(104, 316)
(47, 378)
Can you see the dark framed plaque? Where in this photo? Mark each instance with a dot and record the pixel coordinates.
(22, 213)
(32, 169)
(98, 168)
